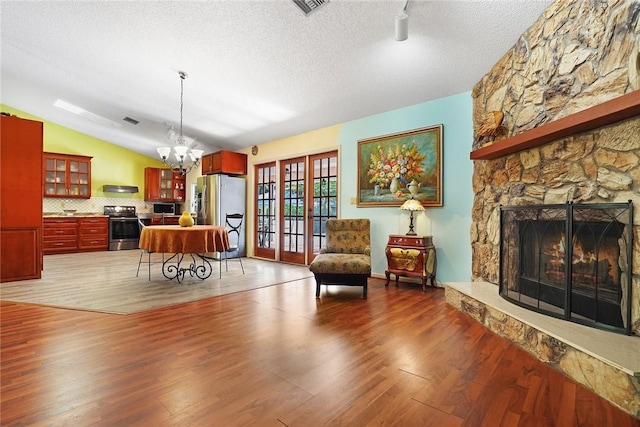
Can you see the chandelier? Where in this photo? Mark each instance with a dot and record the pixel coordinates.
(181, 148)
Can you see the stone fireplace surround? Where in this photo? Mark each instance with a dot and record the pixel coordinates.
(605, 362)
(568, 92)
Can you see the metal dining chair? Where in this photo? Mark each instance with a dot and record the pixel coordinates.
(233, 222)
(143, 252)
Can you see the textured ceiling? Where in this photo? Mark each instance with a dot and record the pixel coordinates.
(258, 70)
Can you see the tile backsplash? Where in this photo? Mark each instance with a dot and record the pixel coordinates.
(93, 205)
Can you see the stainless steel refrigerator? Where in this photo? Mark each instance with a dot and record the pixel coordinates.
(218, 195)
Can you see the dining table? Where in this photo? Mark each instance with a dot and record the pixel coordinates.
(197, 244)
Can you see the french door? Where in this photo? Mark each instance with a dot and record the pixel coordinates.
(265, 210)
(293, 182)
(293, 200)
(308, 199)
(323, 199)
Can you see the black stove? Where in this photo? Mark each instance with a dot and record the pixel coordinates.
(124, 230)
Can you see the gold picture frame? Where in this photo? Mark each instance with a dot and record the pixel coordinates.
(394, 168)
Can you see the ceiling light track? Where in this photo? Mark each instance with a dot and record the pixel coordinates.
(402, 24)
(308, 6)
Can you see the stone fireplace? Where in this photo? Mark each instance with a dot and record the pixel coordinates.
(569, 261)
(557, 121)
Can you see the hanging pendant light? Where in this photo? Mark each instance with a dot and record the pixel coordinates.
(180, 148)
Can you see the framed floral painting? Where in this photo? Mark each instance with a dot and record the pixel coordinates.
(394, 168)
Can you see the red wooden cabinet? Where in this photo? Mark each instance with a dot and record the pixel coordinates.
(67, 176)
(60, 235)
(93, 234)
(411, 256)
(163, 185)
(227, 162)
(20, 199)
(75, 234)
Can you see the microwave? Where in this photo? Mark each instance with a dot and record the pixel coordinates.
(164, 208)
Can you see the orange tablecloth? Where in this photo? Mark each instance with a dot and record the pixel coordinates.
(198, 239)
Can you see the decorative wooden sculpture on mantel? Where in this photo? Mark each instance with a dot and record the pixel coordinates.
(491, 126)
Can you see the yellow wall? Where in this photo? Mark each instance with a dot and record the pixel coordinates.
(315, 141)
(111, 164)
(312, 142)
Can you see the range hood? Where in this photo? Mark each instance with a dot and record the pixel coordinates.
(120, 189)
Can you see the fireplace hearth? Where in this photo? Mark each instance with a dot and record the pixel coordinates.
(571, 261)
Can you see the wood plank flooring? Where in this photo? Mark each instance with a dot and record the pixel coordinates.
(106, 281)
(277, 356)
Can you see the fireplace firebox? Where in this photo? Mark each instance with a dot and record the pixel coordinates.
(571, 261)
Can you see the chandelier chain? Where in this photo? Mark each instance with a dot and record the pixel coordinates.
(181, 148)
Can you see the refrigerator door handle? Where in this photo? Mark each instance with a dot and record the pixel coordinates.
(205, 202)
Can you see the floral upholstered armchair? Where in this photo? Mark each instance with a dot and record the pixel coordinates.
(346, 257)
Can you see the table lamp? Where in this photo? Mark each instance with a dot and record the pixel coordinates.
(412, 205)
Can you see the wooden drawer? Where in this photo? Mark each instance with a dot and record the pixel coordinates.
(94, 242)
(171, 220)
(60, 232)
(59, 245)
(98, 221)
(59, 222)
(92, 227)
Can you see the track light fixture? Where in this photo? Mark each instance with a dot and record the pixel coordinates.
(402, 24)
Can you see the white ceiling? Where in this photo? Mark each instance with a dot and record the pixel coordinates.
(258, 70)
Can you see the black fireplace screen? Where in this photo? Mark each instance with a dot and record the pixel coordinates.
(571, 261)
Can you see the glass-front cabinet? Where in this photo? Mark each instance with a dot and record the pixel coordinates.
(163, 185)
(166, 184)
(67, 176)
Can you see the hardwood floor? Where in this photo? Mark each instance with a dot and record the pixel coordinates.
(278, 356)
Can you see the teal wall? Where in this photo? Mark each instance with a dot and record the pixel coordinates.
(449, 225)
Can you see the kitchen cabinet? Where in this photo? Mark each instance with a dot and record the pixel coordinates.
(411, 256)
(227, 162)
(93, 234)
(75, 234)
(60, 235)
(20, 199)
(163, 185)
(67, 176)
(165, 220)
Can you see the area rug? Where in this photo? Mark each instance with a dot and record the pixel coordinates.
(106, 282)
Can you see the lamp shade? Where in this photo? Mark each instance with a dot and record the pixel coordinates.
(164, 152)
(412, 205)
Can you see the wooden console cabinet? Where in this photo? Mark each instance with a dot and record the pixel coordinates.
(227, 162)
(20, 199)
(411, 256)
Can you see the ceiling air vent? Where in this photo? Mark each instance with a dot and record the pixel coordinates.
(308, 6)
(130, 120)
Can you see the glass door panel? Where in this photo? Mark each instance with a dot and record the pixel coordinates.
(166, 184)
(292, 208)
(265, 203)
(323, 199)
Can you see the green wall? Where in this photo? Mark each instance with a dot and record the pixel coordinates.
(111, 164)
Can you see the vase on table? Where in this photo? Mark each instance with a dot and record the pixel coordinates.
(186, 220)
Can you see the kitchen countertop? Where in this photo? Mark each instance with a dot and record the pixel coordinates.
(75, 215)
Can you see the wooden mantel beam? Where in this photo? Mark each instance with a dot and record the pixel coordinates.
(615, 110)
